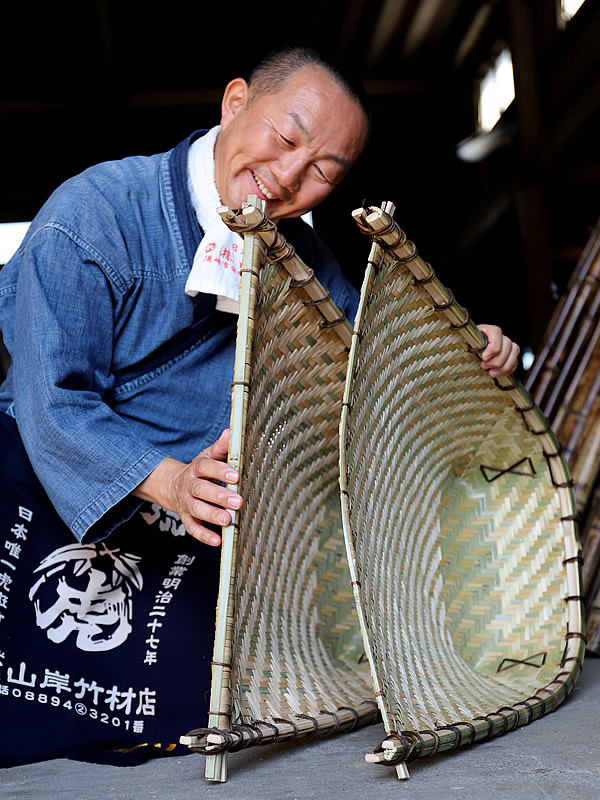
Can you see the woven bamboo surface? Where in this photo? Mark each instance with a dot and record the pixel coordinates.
(458, 516)
(565, 381)
(288, 653)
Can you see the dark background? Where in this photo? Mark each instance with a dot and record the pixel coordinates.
(90, 81)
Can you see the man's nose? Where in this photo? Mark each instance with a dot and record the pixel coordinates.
(289, 170)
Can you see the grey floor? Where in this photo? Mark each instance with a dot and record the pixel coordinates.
(555, 757)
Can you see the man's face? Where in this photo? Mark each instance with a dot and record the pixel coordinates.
(290, 148)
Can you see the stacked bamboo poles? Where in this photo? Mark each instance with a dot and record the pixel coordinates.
(288, 657)
(565, 382)
(458, 517)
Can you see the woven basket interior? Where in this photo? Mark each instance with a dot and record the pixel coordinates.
(296, 642)
(461, 572)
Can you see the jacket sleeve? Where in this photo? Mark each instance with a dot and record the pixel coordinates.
(81, 450)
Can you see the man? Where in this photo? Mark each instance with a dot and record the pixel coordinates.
(118, 393)
(291, 145)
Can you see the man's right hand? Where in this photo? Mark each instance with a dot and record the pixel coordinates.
(193, 490)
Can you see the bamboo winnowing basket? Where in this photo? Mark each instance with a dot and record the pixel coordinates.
(288, 659)
(458, 516)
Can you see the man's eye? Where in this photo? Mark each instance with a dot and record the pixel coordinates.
(287, 141)
(322, 175)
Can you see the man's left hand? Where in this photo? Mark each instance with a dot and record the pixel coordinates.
(501, 355)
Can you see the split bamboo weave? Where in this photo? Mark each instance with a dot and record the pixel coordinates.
(459, 519)
(565, 382)
(288, 659)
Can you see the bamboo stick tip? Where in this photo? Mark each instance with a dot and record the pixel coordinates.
(225, 212)
(216, 768)
(376, 214)
(254, 202)
(252, 214)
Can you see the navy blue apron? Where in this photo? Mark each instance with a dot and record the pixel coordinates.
(105, 649)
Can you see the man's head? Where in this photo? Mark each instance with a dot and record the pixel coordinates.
(289, 134)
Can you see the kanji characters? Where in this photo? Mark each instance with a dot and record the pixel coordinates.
(19, 530)
(92, 687)
(21, 679)
(56, 680)
(117, 700)
(147, 703)
(25, 513)
(14, 549)
(5, 580)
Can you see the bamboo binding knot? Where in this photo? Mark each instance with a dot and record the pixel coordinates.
(210, 749)
(391, 227)
(395, 755)
(262, 224)
(281, 250)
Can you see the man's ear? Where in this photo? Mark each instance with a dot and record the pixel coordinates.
(234, 99)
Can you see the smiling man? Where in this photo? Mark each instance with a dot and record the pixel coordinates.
(117, 312)
(291, 147)
(289, 135)
(110, 420)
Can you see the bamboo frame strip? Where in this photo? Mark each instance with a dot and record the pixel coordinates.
(220, 703)
(207, 741)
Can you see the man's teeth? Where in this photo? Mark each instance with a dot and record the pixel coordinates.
(263, 188)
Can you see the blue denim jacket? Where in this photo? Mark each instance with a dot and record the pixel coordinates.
(114, 366)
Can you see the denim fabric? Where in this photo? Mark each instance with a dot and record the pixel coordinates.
(114, 366)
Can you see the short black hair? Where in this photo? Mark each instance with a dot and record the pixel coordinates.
(277, 66)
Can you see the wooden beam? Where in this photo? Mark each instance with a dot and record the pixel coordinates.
(392, 14)
(584, 104)
(484, 219)
(351, 26)
(429, 23)
(162, 99)
(473, 33)
(531, 202)
(107, 35)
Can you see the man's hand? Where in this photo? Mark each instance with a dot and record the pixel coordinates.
(501, 355)
(193, 490)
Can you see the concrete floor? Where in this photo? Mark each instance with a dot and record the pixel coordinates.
(555, 757)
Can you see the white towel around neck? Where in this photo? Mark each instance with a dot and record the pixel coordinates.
(218, 259)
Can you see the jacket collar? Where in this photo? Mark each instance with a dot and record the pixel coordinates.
(191, 231)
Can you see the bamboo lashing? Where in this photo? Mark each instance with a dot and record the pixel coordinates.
(288, 659)
(565, 381)
(254, 219)
(458, 515)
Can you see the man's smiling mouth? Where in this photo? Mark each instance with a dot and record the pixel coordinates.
(263, 188)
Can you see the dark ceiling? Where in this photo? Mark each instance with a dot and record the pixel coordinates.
(86, 82)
